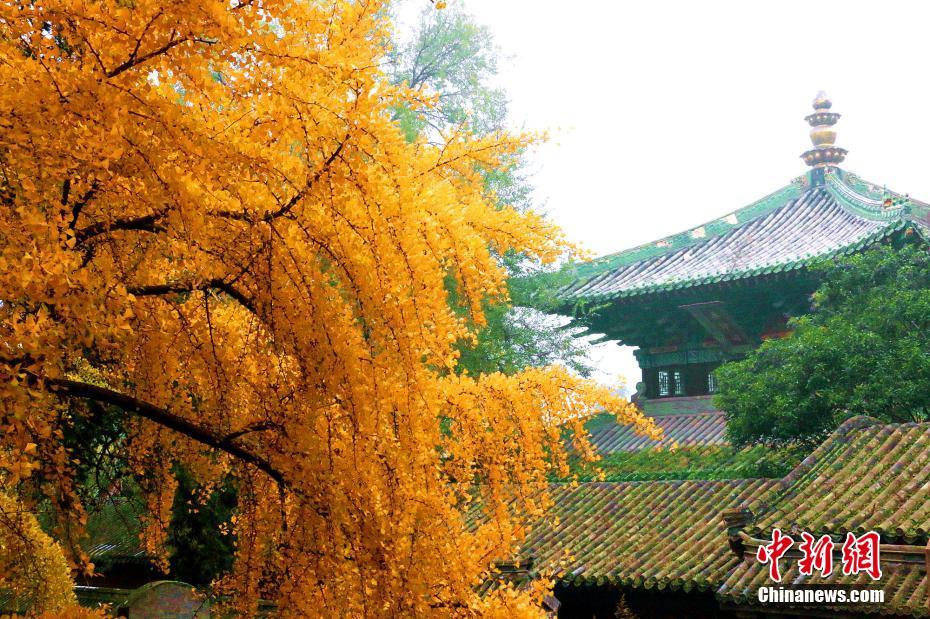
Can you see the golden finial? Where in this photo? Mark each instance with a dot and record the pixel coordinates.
(822, 101)
(823, 136)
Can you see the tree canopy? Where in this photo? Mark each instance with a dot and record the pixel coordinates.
(454, 58)
(214, 228)
(864, 350)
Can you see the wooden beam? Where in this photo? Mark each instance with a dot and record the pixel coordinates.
(719, 323)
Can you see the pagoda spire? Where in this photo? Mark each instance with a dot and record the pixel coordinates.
(823, 136)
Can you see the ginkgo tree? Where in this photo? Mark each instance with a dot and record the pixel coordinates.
(211, 224)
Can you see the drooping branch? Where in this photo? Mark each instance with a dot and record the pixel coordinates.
(167, 419)
(285, 208)
(260, 426)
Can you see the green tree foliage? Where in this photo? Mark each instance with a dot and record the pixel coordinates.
(698, 462)
(200, 550)
(518, 337)
(864, 350)
(452, 57)
(455, 59)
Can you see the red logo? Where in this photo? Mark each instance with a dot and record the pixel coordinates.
(859, 554)
(771, 553)
(818, 555)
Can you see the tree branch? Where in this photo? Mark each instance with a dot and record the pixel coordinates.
(260, 426)
(135, 50)
(146, 223)
(157, 290)
(165, 418)
(133, 61)
(290, 204)
(80, 204)
(65, 191)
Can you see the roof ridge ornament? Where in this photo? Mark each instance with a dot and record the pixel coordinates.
(825, 153)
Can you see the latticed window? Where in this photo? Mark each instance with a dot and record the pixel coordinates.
(663, 383)
(711, 383)
(679, 384)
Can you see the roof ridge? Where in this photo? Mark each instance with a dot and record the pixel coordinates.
(783, 487)
(633, 482)
(776, 494)
(859, 422)
(714, 412)
(863, 199)
(868, 475)
(764, 204)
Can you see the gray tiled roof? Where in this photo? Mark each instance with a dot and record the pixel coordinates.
(684, 430)
(787, 230)
(651, 535)
(671, 535)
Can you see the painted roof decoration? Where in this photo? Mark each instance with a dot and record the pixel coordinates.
(663, 534)
(823, 213)
(866, 476)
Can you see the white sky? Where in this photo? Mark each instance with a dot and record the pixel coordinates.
(666, 114)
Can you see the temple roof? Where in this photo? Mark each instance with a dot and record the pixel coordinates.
(824, 213)
(674, 534)
(685, 422)
(664, 534)
(867, 476)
